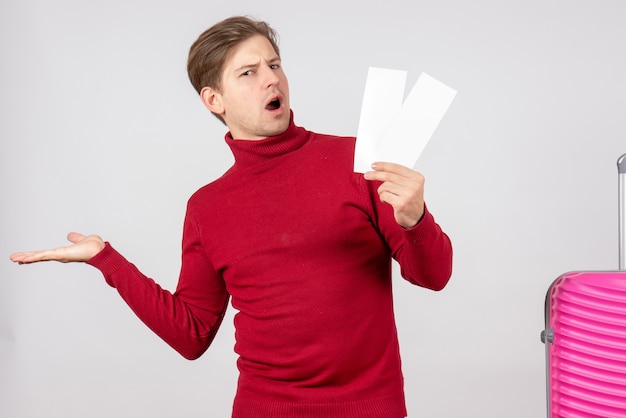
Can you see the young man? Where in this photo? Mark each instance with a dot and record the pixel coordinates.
(300, 243)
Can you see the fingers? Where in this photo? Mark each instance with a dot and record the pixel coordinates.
(386, 167)
(75, 237)
(31, 257)
(397, 180)
(18, 257)
(82, 249)
(402, 188)
(394, 173)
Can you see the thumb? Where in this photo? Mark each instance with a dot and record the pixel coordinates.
(74, 237)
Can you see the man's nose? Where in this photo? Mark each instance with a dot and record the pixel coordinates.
(270, 78)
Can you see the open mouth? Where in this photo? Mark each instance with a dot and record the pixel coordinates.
(273, 105)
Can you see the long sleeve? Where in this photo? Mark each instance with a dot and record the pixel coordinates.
(424, 252)
(187, 319)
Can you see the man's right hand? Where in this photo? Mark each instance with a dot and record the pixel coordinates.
(82, 249)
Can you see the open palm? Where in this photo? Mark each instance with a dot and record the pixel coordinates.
(82, 249)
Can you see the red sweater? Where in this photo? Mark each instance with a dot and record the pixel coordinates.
(303, 247)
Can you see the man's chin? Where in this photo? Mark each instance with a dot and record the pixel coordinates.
(279, 126)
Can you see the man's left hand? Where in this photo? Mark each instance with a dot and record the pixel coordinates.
(402, 188)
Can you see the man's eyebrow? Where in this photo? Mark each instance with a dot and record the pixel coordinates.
(245, 67)
(274, 60)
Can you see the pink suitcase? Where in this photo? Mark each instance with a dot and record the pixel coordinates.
(585, 336)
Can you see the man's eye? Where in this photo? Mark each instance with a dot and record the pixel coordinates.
(274, 66)
(249, 72)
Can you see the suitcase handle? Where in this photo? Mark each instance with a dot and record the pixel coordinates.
(621, 169)
(548, 335)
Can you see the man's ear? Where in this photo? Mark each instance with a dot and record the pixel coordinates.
(212, 99)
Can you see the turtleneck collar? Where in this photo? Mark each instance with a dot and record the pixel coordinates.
(253, 152)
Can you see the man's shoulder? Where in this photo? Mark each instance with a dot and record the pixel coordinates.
(337, 142)
(330, 137)
(210, 190)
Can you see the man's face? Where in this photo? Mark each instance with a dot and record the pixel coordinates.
(254, 97)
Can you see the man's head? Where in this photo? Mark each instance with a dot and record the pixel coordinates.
(235, 44)
(210, 51)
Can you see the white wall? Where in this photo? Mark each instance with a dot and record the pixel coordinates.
(102, 133)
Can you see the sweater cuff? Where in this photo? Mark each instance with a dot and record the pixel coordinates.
(423, 228)
(108, 261)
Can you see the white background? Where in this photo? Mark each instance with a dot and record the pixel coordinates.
(101, 132)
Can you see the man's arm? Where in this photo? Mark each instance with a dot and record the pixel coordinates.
(423, 250)
(187, 319)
